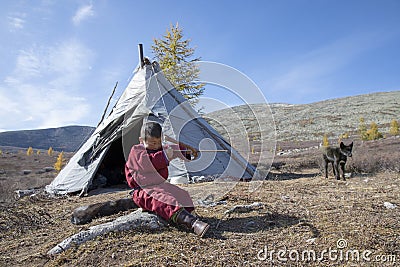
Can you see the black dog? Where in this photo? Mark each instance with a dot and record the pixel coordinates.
(337, 156)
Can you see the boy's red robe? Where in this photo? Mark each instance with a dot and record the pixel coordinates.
(147, 171)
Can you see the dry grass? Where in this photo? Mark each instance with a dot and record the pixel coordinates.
(369, 157)
(12, 166)
(301, 214)
(377, 156)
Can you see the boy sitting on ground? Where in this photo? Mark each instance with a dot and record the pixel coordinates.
(146, 171)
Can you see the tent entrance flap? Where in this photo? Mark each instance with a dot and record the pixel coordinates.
(112, 168)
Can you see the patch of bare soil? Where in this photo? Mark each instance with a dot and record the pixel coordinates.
(306, 220)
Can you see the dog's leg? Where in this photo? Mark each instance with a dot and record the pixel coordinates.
(342, 167)
(333, 169)
(326, 168)
(336, 170)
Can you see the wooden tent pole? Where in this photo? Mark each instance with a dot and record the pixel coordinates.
(141, 58)
(108, 103)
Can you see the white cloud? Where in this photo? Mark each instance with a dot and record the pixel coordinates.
(83, 13)
(43, 89)
(28, 64)
(63, 109)
(16, 21)
(7, 105)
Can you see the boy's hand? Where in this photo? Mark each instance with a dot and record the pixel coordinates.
(194, 152)
(191, 153)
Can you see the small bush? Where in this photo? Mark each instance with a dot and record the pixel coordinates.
(29, 152)
(364, 163)
(344, 136)
(374, 157)
(325, 141)
(394, 128)
(50, 151)
(60, 162)
(362, 129)
(373, 133)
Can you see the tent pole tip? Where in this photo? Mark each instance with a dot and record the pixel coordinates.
(141, 58)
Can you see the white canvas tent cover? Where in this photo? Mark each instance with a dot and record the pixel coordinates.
(150, 96)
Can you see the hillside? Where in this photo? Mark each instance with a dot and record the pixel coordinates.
(67, 138)
(311, 121)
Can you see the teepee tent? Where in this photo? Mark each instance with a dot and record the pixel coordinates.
(149, 96)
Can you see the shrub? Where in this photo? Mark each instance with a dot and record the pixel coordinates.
(394, 128)
(29, 152)
(373, 157)
(60, 162)
(381, 162)
(325, 141)
(373, 133)
(50, 151)
(362, 129)
(344, 136)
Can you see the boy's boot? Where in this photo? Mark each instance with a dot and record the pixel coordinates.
(192, 222)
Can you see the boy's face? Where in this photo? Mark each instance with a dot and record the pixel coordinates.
(152, 143)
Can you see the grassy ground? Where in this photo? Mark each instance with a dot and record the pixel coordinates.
(303, 213)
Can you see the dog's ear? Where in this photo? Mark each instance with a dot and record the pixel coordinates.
(342, 145)
(351, 145)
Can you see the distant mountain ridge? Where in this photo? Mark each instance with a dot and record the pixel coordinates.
(300, 122)
(68, 138)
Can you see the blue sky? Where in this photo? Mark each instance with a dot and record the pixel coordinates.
(61, 59)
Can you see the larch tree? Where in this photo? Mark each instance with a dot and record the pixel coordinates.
(176, 58)
(394, 127)
(373, 133)
(325, 141)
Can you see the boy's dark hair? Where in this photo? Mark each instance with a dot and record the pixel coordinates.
(151, 129)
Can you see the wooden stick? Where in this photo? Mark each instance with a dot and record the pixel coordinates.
(169, 139)
(141, 57)
(204, 150)
(108, 103)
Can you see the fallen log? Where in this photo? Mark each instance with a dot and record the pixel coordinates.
(131, 221)
(27, 192)
(86, 214)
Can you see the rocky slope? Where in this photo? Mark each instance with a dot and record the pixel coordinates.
(311, 121)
